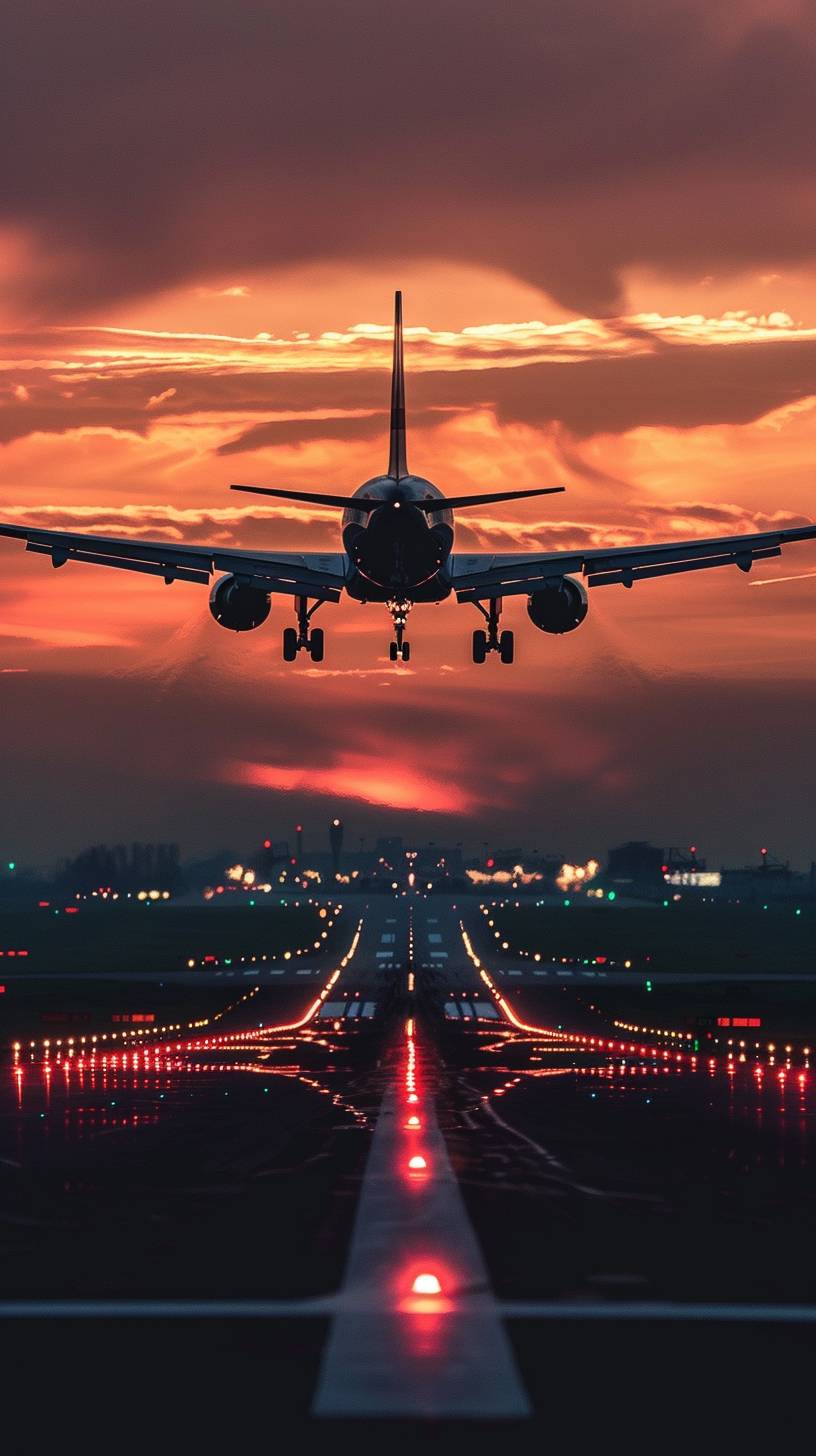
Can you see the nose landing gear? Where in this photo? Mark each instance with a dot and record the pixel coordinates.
(399, 650)
(301, 638)
(492, 640)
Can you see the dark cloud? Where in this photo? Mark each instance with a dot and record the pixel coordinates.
(561, 142)
(594, 771)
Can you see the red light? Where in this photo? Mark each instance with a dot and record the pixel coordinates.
(426, 1284)
(72, 909)
(43, 904)
(490, 863)
(267, 844)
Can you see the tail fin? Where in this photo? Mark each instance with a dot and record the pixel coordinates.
(397, 458)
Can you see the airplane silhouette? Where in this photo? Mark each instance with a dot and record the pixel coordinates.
(398, 533)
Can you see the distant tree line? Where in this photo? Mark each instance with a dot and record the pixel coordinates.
(123, 868)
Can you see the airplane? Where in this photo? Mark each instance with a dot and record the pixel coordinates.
(398, 535)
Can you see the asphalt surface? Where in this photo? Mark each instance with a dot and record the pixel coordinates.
(212, 1231)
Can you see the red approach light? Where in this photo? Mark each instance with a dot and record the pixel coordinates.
(72, 909)
(426, 1284)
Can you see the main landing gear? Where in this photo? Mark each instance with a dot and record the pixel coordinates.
(492, 640)
(399, 650)
(300, 638)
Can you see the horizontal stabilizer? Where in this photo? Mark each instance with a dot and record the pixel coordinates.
(340, 502)
(431, 506)
(459, 502)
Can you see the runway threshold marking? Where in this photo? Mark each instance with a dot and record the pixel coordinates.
(393, 1352)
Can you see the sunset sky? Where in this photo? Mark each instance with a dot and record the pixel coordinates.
(603, 219)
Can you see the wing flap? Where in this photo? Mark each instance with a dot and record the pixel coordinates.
(479, 576)
(149, 568)
(311, 573)
(628, 575)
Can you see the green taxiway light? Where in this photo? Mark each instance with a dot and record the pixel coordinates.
(611, 894)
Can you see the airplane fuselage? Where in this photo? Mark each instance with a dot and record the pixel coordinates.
(398, 551)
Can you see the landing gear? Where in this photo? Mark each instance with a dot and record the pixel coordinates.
(300, 638)
(492, 640)
(399, 650)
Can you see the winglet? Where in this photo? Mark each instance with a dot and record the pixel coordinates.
(397, 458)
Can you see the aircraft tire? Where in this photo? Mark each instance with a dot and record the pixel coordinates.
(506, 647)
(290, 644)
(479, 645)
(316, 645)
(406, 651)
(392, 651)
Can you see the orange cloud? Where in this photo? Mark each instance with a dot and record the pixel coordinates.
(368, 778)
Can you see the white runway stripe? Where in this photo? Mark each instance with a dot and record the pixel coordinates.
(333, 1304)
(388, 1355)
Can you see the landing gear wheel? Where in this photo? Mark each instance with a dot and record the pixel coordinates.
(290, 644)
(479, 645)
(406, 651)
(316, 644)
(393, 651)
(506, 646)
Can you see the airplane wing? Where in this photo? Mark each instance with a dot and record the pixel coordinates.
(311, 573)
(479, 575)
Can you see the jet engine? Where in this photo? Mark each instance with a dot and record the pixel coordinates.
(559, 608)
(238, 607)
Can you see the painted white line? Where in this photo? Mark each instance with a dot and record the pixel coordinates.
(631, 1310)
(389, 1357)
(319, 1308)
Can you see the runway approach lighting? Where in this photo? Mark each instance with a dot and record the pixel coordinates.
(426, 1284)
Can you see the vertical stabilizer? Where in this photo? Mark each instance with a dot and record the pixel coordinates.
(397, 459)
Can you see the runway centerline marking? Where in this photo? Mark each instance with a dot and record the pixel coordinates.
(393, 1353)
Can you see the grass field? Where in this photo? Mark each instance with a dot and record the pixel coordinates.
(682, 937)
(160, 937)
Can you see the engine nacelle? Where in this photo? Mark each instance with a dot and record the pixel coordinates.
(238, 607)
(560, 608)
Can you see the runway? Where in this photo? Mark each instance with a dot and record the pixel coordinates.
(227, 1212)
